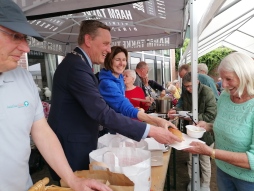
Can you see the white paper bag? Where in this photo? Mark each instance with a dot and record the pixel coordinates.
(110, 140)
(132, 162)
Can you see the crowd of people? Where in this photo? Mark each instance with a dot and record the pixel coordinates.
(82, 101)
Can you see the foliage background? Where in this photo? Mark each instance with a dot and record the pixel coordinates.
(211, 59)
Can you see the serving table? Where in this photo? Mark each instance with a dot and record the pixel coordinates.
(159, 174)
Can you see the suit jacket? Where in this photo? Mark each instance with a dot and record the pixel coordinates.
(77, 109)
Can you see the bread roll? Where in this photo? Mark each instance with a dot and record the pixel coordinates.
(176, 132)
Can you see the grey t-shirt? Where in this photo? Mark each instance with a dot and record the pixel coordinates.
(20, 107)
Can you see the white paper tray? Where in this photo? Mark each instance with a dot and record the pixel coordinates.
(184, 144)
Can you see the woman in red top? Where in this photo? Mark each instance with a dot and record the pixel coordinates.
(132, 91)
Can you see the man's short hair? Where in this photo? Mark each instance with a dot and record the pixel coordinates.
(90, 27)
(187, 78)
(186, 67)
(141, 64)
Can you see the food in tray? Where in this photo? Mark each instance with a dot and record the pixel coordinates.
(176, 132)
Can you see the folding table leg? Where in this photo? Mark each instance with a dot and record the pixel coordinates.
(195, 180)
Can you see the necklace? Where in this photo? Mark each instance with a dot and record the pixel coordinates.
(75, 53)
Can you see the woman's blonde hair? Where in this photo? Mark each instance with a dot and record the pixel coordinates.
(243, 66)
(171, 88)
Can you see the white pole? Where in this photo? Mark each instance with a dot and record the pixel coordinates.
(195, 184)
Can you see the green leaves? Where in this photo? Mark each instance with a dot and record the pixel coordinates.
(211, 59)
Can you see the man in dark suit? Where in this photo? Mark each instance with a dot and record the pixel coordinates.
(77, 108)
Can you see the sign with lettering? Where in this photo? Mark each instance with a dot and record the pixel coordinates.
(38, 9)
(148, 25)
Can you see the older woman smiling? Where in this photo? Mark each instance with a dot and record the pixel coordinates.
(132, 91)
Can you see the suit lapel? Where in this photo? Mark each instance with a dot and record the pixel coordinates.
(87, 63)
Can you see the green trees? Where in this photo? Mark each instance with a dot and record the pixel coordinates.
(211, 59)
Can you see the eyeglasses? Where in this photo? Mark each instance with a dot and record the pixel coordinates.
(188, 86)
(16, 37)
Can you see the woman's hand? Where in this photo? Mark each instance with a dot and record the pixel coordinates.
(199, 148)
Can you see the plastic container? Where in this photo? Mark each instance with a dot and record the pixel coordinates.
(194, 131)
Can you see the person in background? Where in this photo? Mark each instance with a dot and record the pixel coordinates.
(203, 70)
(142, 70)
(149, 87)
(154, 85)
(176, 83)
(132, 91)
(174, 91)
(219, 85)
(21, 113)
(77, 107)
(233, 126)
(203, 79)
(112, 88)
(206, 112)
(168, 84)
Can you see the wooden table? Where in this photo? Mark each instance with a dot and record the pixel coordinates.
(159, 173)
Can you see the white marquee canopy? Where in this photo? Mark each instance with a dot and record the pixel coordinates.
(232, 27)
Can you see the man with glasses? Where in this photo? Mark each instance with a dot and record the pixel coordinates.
(21, 112)
(18, 38)
(203, 79)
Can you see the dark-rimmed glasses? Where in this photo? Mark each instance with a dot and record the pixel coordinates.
(16, 37)
(188, 86)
